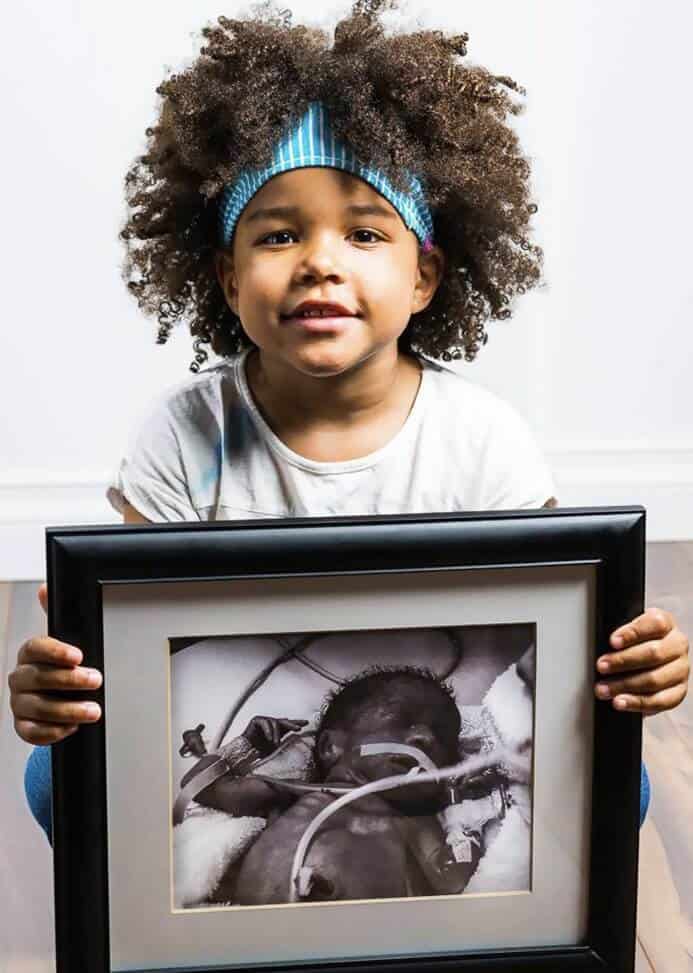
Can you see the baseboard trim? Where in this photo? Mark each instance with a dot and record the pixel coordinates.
(660, 480)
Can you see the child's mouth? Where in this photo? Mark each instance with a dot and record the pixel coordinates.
(319, 316)
(314, 323)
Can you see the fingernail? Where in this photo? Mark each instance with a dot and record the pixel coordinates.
(603, 665)
(620, 702)
(603, 691)
(93, 678)
(91, 710)
(617, 640)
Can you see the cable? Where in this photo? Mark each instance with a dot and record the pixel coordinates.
(501, 757)
(253, 686)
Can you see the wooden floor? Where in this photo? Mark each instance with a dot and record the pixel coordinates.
(665, 910)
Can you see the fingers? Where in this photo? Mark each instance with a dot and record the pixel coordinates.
(650, 705)
(42, 734)
(646, 655)
(43, 597)
(39, 708)
(646, 682)
(652, 624)
(45, 668)
(286, 725)
(649, 670)
(270, 729)
(49, 651)
(32, 677)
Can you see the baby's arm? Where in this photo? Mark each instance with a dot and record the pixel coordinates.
(239, 796)
(234, 792)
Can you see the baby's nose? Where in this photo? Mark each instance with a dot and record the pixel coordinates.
(420, 735)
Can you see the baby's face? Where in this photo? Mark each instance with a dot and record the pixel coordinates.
(406, 711)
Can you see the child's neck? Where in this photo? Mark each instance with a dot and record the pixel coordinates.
(338, 418)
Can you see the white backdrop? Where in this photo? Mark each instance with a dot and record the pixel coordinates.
(596, 360)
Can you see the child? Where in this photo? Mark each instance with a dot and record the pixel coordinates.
(380, 846)
(329, 219)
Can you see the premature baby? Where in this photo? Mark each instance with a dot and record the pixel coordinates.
(380, 846)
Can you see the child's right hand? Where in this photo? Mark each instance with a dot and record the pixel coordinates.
(46, 667)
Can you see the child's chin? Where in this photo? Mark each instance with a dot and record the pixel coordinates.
(325, 366)
(325, 359)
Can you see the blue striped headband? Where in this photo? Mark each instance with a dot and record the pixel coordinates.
(312, 143)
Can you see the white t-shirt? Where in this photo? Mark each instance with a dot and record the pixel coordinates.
(206, 453)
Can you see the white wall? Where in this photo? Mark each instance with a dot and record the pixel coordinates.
(596, 360)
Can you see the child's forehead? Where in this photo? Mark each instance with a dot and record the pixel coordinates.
(311, 188)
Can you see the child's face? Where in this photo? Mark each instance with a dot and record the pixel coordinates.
(325, 250)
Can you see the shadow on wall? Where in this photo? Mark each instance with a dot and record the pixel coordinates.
(665, 912)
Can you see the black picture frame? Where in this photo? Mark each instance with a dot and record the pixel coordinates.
(81, 560)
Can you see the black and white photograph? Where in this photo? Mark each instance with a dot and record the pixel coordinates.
(359, 765)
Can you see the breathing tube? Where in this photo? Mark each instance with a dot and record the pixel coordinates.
(299, 879)
(295, 651)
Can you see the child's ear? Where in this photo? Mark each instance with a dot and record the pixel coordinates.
(226, 275)
(330, 747)
(428, 276)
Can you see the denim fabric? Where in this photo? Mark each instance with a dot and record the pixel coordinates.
(38, 787)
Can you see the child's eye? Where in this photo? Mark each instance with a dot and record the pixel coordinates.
(279, 233)
(268, 238)
(370, 233)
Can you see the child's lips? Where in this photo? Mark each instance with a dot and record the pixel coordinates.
(332, 322)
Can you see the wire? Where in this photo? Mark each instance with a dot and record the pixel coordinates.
(253, 686)
(466, 768)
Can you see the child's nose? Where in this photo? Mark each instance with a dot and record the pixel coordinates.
(320, 260)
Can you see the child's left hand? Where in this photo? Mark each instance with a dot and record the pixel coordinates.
(648, 671)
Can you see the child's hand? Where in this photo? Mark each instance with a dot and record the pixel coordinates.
(45, 667)
(649, 671)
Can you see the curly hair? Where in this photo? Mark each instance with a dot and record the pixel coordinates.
(403, 101)
(338, 707)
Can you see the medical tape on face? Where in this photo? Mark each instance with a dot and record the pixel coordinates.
(376, 749)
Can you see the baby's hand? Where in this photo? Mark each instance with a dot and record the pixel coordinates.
(46, 667)
(264, 733)
(649, 672)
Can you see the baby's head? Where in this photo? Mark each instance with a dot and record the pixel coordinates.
(387, 705)
(404, 104)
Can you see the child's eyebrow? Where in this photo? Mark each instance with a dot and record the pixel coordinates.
(286, 212)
